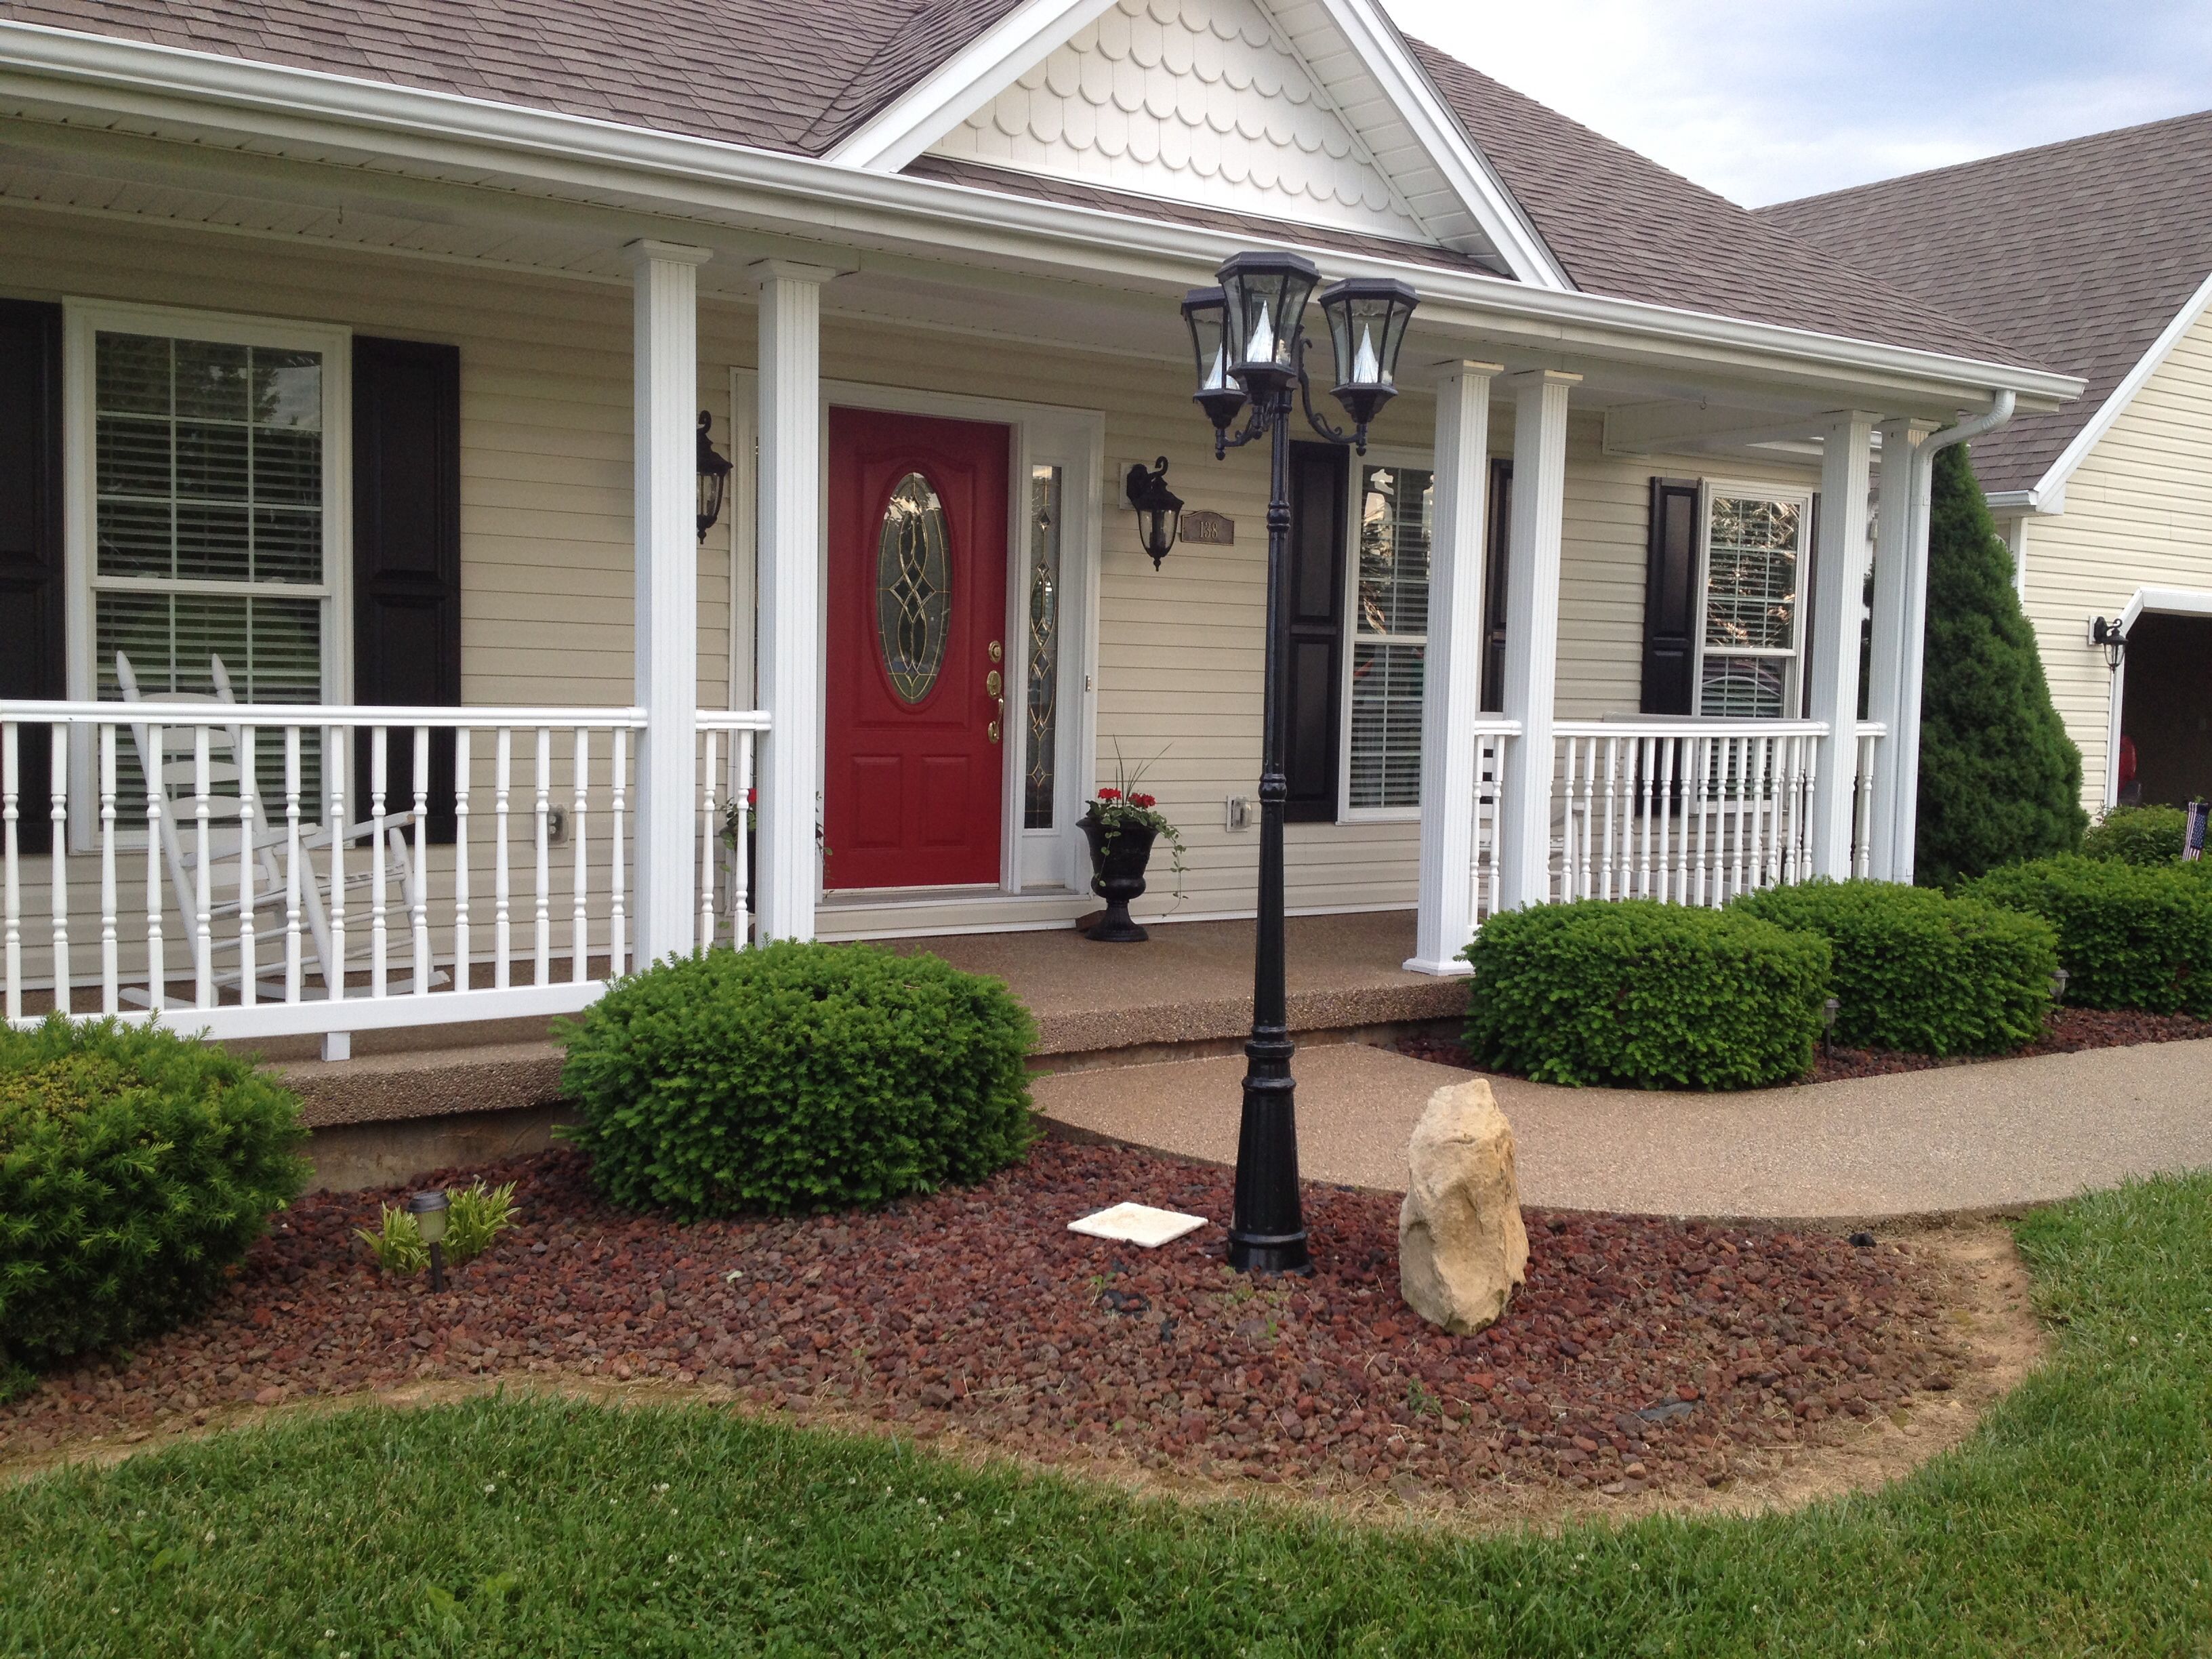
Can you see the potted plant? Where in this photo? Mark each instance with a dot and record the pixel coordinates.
(1122, 822)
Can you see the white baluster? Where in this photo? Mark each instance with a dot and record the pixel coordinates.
(157, 965)
(294, 956)
(378, 933)
(1738, 759)
(461, 859)
(58, 863)
(709, 853)
(1570, 866)
(543, 940)
(1614, 843)
(1670, 846)
(502, 919)
(741, 889)
(110, 987)
(338, 761)
(579, 931)
(419, 875)
(618, 919)
(10, 767)
(242, 755)
(203, 874)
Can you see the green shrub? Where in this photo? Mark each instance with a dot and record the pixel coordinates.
(135, 1167)
(797, 1077)
(2129, 936)
(1999, 778)
(1918, 971)
(1644, 994)
(2137, 835)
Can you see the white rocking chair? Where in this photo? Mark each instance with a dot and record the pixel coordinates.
(175, 775)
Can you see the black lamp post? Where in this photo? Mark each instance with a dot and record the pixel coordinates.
(1248, 339)
(714, 470)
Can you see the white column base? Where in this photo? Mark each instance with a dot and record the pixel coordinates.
(1453, 969)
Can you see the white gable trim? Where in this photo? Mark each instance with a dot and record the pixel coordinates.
(2048, 495)
(964, 84)
(1422, 108)
(969, 80)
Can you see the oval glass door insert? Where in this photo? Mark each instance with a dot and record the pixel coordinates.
(914, 588)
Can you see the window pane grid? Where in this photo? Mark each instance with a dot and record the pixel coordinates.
(1753, 548)
(1389, 629)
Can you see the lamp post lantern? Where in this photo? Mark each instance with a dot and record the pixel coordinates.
(1248, 338)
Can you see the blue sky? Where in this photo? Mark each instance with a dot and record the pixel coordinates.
(1764, 101)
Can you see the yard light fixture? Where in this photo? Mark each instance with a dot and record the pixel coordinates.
(1831, 1010)
(714, 469)
(1159, 509)
(430, 1211)
(2058, 978)
(1247, 339)
(2107, 634)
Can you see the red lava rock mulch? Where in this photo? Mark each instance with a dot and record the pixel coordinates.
(2067, 1031)
(1641, 1352)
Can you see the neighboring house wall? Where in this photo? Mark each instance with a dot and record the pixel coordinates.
(2138, 514)
(545, 505)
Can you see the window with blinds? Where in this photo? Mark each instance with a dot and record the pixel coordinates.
(1396, 512)
(1749, 637)
(208, 511)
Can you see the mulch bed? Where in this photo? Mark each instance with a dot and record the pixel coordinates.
(2067, 1031)
(1641, 1352)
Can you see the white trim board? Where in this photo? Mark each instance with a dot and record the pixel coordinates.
(2048, 495)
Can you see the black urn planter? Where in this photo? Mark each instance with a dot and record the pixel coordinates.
(1118, 857)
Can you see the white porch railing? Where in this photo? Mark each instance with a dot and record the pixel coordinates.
(1691, 812)
(269, 871)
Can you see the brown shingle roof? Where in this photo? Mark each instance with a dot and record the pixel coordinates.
(801, 75)
(2080, 252)
(1623, 225)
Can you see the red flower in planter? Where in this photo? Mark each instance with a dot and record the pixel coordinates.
(1142, 800)
(1109, 794)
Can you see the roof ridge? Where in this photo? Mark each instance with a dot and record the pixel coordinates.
(2001, 158)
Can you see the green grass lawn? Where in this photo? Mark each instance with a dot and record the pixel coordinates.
(2077, 1521)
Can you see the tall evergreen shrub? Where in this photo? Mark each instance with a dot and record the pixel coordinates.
(2000, 781)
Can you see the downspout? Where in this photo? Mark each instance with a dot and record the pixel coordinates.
(1906, 800)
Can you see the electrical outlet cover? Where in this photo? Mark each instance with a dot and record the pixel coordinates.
(1138, 1224)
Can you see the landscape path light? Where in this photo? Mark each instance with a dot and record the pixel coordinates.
(1248, 345)
(430, 1211)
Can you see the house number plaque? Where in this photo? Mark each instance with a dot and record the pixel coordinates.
(1209, 529)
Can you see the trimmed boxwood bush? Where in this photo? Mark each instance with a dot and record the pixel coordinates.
(2129, 936)
(135, 1167)
(1918, 971)
(1650, 995)
(797, 1077)
(2137, 835)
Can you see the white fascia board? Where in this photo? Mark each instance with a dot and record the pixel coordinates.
(2167, 602)
(1422, 108)
(2048, 495)
(2043, 500)
(710, 182)
(964, 84)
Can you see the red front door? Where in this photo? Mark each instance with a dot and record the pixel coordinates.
(915, 706)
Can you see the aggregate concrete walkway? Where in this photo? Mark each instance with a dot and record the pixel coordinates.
(1958, 1138)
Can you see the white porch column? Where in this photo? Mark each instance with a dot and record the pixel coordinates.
(1451, 692)
(1846, 453)
(789, 542)
(664, 286)
(1893, 576)
(1532, 633)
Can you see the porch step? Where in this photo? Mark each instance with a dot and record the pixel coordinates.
(414, 1083)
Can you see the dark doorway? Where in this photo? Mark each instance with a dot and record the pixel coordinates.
(2167, 709)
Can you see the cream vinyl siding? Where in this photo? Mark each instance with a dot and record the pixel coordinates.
(545, 518)
(2138, 514)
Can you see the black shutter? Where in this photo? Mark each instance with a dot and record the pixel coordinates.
(34, 643)
(1496, 559)
(407, 556)
(1670, 599)
(1311, 655)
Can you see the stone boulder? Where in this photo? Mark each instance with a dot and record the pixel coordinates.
(1462, 1247)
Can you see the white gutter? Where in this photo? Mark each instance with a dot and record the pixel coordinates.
(674, 174)
(1905, 751)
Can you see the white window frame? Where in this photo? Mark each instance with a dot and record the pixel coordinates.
(1743, 489)
(1378, 455)
(83, 320)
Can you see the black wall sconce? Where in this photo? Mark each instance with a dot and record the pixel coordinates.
(1159, 509)
(714, 470)
(2114, 643)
